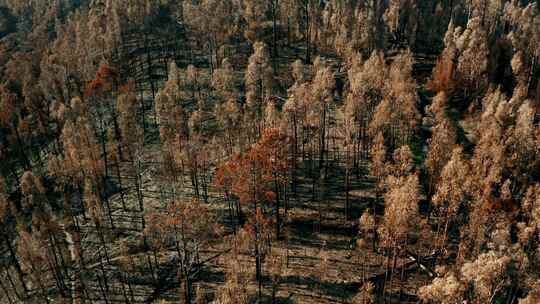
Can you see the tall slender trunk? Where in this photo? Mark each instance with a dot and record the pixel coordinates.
(275, 4)
(278, 222)
(103, 140)
(347, 190)
(15, 261)
(149, 68)
(6, 292)
(26, 161)
(101, 283)
(143, 111)
(308, 33)
(105, 199)
(118, 175)
(294, 156)
(322, 139)
(13, 286)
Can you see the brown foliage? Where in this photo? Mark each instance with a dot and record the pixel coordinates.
(103, 81)
(248, 175)
(442, 79)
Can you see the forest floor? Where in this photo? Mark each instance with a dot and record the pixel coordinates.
(305, 279)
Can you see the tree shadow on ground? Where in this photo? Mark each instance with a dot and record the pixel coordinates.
(268, 299)
(209, 275)
(323, 288)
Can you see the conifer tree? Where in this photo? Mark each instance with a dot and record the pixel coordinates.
(258, 84)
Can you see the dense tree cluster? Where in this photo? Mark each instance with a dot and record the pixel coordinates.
(146, 146)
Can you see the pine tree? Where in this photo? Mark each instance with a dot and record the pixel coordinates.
(258, 230)
(254, 13)
(365, 295)
(452, 187)
(401, 19)
(440, 145)
(445, 290)
(33, 260)
(401, 208)
(396, 114)
(258, 84)
(487, 273)
(322, 86)
(190, 225)
(524, 36)
(132, 138)
(213, 23)
(5, 207)
(223, 81)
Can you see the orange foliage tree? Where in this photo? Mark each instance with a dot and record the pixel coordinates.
(257, 176)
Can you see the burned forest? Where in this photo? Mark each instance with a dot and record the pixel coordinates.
(269, 151)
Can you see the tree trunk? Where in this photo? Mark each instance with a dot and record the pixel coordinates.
(6, 292)
(26, 161)
(276, 187)
(15, 261)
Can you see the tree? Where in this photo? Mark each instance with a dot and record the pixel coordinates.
(190, 225)
(213, 23)
(487, 273)
(99, 91)
(367, 82)
(524, 36)
(438, 107)
(452, 187)
(401, 18)
(93, 205)
(347, 131)
(276, 268)
(396, 114)
(272, 149)
(229, 117)
(401, 205)
(469, 48)
(223, 81)
(403, 163)
(12, 119)
(368, 227)
(258, 84)
(366, 294)
(443, 75)
(379, 166)
(5, 206)
(445, 290)
(401, 208)
(132, 138)
(322, 86)
(368, 27)
(35, 200)
(254, 14)
(258, 230)
(258, 176)
(81, 150)
(272, 116)
(295, 113)
(33, 260)
(531, 223)
(439, 153)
